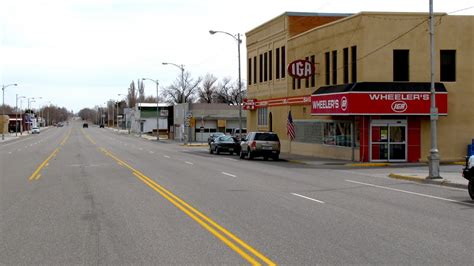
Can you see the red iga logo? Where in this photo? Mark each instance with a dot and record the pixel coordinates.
(301, 69)
(344, 103)
(399, 106)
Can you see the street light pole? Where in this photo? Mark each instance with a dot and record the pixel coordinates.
(16, 115)
(30, 100)
(118, 111)
(181, 67)
(157, 111)
(3, 107)
(239, 41)
(434, 153)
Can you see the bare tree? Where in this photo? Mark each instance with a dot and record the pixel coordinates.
(182, 90)
(141, 91)
(228, 92)
(7, 109)
(207, 91)
(132, 95)
(149, 99)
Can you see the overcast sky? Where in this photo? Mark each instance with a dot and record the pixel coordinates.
(80, 53)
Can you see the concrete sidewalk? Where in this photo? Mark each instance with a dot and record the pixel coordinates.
(11, 136)
(451, 173)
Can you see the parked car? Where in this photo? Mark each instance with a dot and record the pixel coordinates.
(85, 125)
(236, 132)
(260, 144)
(101, 126)
(35, 130)
(213, 136)
(468, 173)
(224, 144)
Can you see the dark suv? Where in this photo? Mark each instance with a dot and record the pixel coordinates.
(85, 125)
(260, 144)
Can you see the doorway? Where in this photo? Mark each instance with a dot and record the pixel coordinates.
(388, 141)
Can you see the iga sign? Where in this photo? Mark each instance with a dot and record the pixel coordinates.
(377, 103)
(301, 69)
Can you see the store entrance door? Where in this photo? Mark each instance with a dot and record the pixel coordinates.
(388, 141)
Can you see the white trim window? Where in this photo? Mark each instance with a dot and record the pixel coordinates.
(262, 116)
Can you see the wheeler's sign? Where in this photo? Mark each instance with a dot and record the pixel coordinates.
(301, 69)
(386, 103)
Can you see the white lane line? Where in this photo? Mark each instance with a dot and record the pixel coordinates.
(166, 156)
(298, 195)
(189, 163)
(140, 149)
(9, 152)
(151, 152)
(230, 159)
(229, 174)
(408, 192)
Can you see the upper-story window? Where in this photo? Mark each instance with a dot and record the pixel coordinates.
(254, 69)
(283, 62)
(277, 63)
(249, 73)
(327, 67)
(345, 59)
(313, 77)
(447, 60)
(401, 65)
(334, 67)
(354, 63)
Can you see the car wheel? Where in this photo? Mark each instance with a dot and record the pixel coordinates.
(470, 188)
(276, 157)
(217, 150)
(241, 155)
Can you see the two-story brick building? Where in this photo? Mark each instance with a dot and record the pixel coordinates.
(370, 97)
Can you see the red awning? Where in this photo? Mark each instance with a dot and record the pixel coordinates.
(378, 98)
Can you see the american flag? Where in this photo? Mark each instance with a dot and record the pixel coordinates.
(290, 127)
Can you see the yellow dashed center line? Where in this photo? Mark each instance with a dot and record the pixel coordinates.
(239, 246)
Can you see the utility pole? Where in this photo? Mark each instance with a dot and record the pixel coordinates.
(434, 153)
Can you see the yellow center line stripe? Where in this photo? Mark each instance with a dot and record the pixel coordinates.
(43, 164)
(35, 175)
(88, 137)
(193, 213)
(199, 221)
(198, 213)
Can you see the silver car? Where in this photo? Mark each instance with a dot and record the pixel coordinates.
(260, 144)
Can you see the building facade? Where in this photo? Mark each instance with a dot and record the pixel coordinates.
(369, 99)
(199, 120)
(142, 118)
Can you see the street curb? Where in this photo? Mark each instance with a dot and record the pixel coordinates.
(296, 161)
(441, 182)
(368, 164)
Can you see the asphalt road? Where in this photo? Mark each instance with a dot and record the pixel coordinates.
(91, 196)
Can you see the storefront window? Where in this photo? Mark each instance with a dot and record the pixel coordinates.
(337, 133)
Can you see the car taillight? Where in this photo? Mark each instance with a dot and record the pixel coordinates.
(253, 145)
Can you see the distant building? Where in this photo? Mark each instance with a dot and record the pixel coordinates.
(204, 119)
(142, 118)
